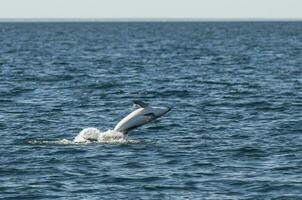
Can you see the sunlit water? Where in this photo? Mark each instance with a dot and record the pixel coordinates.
(234, 131)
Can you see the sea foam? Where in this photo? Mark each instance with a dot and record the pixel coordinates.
(92, 135)
(88, 135)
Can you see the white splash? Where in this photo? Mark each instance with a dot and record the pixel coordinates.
(88, 135)
(93, 135)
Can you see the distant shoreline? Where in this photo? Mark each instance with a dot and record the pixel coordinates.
(150, 19)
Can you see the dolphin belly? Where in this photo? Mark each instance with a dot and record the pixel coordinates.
(128, 124)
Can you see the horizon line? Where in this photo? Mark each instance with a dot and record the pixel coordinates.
(152, 19)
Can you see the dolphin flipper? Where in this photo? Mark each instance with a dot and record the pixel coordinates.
(140, 103)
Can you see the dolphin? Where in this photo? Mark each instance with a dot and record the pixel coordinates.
(142, 115)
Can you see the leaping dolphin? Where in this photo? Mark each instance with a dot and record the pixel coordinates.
(140, 116)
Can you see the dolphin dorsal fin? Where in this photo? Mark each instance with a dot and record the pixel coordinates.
(140, 103)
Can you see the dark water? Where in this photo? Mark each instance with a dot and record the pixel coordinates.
(235, 131)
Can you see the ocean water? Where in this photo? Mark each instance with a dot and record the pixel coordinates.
(234, 131)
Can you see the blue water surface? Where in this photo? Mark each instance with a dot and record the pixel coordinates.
(234, 132)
